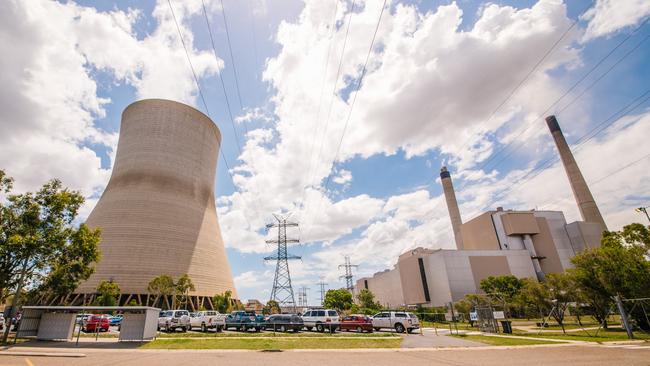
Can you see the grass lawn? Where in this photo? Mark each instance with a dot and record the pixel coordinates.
(499, 341)
(272, 344)
(589, 336)
(270, 334)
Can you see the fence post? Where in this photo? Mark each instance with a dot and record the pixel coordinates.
(621, 310)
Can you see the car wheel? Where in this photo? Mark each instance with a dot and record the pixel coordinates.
(189, 327)
(258, 329)
(204, 328)
(399, 328)
(359, 330)
(184, 329)
(377, 329)
(320, 328)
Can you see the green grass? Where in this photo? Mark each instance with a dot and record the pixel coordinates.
(273, 344)
(588, 336)
(277, 334)
(501, 341)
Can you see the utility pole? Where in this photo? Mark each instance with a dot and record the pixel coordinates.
(322, 285)
(348, 273)
(302, 296)
(644, 210)
(282, 291)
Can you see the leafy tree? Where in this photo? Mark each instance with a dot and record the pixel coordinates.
(223, 302)
(108, 293)
(502, 289)
(162, 286)
(463, 307)
(272, 307)
(183, 286)
(618, 267)
(533, 298)
(561, 291)
(40, 242)
(366, 300)
(340, 299)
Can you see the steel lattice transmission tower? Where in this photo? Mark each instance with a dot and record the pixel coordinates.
(282, 291)
(322, 285)
(348, 273)
(302, 296)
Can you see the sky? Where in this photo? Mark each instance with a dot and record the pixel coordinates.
(343, 112)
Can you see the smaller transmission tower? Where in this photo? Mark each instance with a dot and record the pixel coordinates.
(302, 296)
(282, 291)
(348, 273)
(322, 285)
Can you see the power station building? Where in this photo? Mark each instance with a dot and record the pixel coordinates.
(526, 244)
(157, 213)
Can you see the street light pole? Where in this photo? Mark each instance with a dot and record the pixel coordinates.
(644, 210)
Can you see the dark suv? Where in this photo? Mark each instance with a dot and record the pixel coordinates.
(284, 322)
(244, 320)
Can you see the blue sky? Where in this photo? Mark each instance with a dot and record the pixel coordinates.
(435, 77)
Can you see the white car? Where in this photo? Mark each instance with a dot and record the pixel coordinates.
(398, 320)
(170, 320)
(208, 319)
(321, 319)
(2, 322)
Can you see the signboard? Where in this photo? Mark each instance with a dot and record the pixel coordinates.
(498, 315)
(473, 316)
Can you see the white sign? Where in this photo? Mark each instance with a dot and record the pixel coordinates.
(473, 316)
(498, 315)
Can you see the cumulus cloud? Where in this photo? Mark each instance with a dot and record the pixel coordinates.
(609, 16)
(49, 103)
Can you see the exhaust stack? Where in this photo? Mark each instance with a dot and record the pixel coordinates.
(586, 203)
(452, 206)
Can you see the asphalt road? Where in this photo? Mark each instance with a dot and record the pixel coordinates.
(592, 355)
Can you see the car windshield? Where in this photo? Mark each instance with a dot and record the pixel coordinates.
(165, 314)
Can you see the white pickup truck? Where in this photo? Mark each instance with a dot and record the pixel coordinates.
(208, 319)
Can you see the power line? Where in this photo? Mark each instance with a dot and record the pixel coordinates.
(581, 142)
(198, 86)
(348, 276)
(232, 57)
(521, 142)
(354, 98)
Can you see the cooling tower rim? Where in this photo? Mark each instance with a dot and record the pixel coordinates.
(183, 105)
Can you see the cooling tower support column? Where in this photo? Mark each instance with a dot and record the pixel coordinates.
(586, 203)
(452, 205)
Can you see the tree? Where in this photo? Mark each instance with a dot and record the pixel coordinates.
(223, 302)
(366, 300)
(618, 267)
(561, 291)
(272, 307)
(108, 293)
(40, 243)
(162, 286)
(502, 289)
(340, 299)
(183, 286)
(533, 297)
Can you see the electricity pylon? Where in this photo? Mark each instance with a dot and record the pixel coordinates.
(348, 273)
(282, 291)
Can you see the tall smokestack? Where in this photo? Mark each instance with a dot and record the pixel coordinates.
(452, 205)
(586, 203)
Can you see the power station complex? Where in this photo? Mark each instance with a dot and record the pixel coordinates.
(157, 214)
(500, 242)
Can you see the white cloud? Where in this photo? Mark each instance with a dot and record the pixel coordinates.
(609, 16)
(343, 176)
(49, 102)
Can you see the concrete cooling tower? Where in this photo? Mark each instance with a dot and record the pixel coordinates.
(158, 213)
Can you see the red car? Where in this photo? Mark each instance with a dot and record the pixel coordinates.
(96, 323)
(359, 323)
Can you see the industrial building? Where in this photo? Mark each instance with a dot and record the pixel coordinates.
(526, 244)
(157, 213)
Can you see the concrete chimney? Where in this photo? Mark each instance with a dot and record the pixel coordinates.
(586, 203)
(452, 205)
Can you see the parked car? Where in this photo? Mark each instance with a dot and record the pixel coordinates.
(116, 320)
(208, 319)
(2, 322)
(170, 320)
(96, 323)
(284, 322)
(81, 318)
(360, 323)
(244, 320)
(398, 320)
(321, 319)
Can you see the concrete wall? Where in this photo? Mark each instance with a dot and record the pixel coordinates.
(584, 235)
(157, 213)
(386, 286)
(479, 234)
